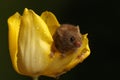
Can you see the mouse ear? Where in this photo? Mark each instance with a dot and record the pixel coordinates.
(78, 28)
(59, 32)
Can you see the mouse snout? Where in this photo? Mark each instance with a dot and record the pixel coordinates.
(77, 44)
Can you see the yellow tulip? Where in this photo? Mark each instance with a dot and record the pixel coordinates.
(30, 41)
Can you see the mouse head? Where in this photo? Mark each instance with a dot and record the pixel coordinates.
(69, 36)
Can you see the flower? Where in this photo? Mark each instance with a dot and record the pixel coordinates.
(30, 41)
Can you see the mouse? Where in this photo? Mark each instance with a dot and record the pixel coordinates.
(67, 38)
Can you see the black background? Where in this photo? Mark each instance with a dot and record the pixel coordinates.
(100, 19)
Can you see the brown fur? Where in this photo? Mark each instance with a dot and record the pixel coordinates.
(67, 37)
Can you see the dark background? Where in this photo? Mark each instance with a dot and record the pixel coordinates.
(100, 19)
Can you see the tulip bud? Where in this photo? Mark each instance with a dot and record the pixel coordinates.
(30, 45)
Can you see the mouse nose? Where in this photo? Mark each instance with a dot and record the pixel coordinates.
(77, 44)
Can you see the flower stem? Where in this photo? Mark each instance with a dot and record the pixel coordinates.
(35, 78)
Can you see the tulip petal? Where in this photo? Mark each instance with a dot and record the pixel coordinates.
(14, 25)
(51, 21)
(60, 65)
(34, 44)
(82, 53)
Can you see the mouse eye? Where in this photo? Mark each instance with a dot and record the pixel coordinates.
(72, 39)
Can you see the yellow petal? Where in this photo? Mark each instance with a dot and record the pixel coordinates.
(60, 65)
(34, 44)
(82, 53)
(51, 21)
(14, 25)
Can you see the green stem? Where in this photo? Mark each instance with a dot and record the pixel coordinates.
(35, 78)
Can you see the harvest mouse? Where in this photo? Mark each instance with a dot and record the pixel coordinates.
(67, 37)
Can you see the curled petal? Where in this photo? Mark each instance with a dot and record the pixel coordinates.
(51, 21)
(82, 53)
(14, 25)
(61, 65)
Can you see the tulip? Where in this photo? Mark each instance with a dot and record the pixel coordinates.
(30, 43)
